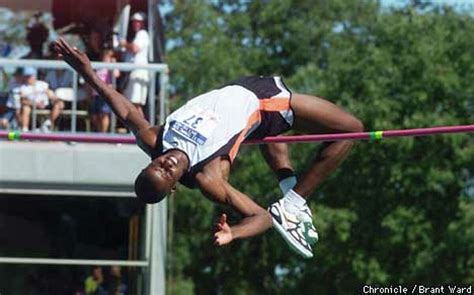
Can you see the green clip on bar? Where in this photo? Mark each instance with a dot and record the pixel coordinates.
(14, 135)
(376, 135)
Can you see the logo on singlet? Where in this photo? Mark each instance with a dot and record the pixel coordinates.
(188, 132)
(195, 124)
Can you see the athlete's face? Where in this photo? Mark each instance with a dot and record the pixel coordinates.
(164, 172)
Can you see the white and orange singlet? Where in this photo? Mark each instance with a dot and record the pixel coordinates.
(216, 123)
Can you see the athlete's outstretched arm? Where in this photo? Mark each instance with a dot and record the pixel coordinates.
(256, 219)
(121, 106)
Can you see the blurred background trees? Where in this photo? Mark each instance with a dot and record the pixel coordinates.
(398, 211)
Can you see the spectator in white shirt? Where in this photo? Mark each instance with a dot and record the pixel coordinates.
(37, 93)
(137, 52)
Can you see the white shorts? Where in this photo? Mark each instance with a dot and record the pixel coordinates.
(137, 87)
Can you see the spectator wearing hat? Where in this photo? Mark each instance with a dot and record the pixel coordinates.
(37, 93)
(137, 52)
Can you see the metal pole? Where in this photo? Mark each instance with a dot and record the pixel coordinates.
(74, 102)
(146, 246)
(157, 271)
(158, 250)
(163, 89)
(151, 33)
(33, 117)
(113, 118)
(152, 99)
(150, 216)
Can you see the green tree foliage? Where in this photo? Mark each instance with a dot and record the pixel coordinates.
(397, 211)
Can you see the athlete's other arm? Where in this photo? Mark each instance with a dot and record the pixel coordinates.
(121, 106)
(256, 219)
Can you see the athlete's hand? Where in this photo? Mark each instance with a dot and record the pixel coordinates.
(77, 59)
(223, 234)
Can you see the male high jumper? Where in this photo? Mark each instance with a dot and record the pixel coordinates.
(199, 141)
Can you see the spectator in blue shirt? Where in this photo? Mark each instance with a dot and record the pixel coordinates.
(10, 117)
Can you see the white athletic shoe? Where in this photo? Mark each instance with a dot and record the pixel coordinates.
(294, 229)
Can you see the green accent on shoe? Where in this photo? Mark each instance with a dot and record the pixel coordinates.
(307, 227)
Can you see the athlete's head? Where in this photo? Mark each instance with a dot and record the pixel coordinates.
(159, 178)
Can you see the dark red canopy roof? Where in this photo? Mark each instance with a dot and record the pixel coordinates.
(90, 12)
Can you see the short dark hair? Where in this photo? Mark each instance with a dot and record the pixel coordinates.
(146, 191)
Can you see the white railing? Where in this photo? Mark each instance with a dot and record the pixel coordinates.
(87, 262)
(162, 69)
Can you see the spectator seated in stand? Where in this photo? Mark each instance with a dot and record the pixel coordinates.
(58, 78)
(93, 283)
(99, 109)
(60, 82)
(36, 94)
(94, 45)
(10, 116)
(114, 284)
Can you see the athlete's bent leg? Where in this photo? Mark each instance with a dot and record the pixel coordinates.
(277, 157)
(316, 115)
(291, 215)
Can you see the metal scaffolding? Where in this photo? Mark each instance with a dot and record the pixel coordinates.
(154, 242)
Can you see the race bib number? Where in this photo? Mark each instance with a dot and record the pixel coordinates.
(195, 124)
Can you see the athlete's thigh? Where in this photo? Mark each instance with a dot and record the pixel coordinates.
(317, 115)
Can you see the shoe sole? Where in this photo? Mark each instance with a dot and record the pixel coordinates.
(289, 239)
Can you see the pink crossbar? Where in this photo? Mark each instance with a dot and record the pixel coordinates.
(127, 139)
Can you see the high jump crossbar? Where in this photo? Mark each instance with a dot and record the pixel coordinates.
(127, 139)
